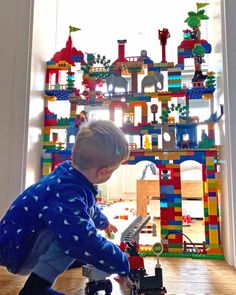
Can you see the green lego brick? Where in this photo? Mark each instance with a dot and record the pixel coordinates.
(210, 167)
(174, 245)
(47, 160)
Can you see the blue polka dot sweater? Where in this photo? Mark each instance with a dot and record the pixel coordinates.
(64, 202)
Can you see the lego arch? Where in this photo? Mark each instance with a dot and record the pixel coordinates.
(147, 188)
(192, 200)
(52, 77)
(116, 104)
(143, 105)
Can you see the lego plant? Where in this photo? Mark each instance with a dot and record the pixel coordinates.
(166, 112)
(92, 60)
(211, 80)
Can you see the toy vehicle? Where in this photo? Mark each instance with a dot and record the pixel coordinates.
(138, 280)
(102, 285)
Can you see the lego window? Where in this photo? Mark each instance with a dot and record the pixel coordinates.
(72, 139)
(166, 174)
(166, 136)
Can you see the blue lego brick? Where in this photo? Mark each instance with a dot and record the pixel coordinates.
(145, 98)
(181, 66)
(211, 176)
(213, 226)
(163, 204)
(178, 200)
(77, 58)
(174, 77)
(155, 131)
(186, 54)
(212, 196)
(172, 197)
(59, 94)
(154, 69)
(52, 116)
(174, 231)
(166, 189)
(196, 93)
(207, 47)
(174, 222)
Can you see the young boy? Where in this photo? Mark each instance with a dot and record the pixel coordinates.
(55, 221)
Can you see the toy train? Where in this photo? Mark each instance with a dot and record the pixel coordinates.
(139, 281)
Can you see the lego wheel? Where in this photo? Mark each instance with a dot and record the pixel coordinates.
(93, 287)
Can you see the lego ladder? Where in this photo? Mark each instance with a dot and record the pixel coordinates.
(131, 233)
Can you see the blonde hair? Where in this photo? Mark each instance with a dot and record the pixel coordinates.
(99, 144)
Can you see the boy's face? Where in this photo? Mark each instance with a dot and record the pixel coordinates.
(105, 173)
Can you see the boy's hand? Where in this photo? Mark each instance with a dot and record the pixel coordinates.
(110, 229)
(120, 280)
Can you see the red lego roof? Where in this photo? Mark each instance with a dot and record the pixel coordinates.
(69, 54)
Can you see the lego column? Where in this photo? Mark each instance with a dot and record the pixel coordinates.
(171, 207)
(211, 192)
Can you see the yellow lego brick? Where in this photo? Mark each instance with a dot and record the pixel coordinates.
(213, 235)
(171, 236)
(177, 174)
(178, 218)
(210, 181)
(175, 250)
(212, 208)
(174, 227)
(178, 209)
(46, 129)
(173, 165)
(190, 153)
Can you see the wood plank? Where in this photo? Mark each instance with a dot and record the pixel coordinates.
(181, 276)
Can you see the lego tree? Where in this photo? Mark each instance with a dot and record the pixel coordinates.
(194, 22)
(210, 80)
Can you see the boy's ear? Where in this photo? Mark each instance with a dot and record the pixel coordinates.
(101, 171)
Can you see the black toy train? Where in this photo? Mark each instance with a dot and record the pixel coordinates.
(139, 281)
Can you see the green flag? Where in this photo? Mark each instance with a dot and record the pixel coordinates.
(201, 5)
(73, 29)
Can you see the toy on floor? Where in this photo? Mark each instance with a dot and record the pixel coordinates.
(139, 281)
(97, 281)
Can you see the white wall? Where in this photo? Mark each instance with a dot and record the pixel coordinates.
(227, 92)
(15, 31)
(22, 83)
(43, 48)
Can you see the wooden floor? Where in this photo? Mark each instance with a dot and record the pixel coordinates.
(182, 276)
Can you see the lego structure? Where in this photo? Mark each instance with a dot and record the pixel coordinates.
(166, 133)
